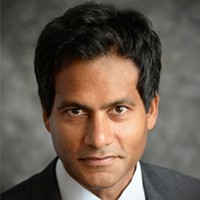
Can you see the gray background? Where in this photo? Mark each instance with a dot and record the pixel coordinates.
(175, 142)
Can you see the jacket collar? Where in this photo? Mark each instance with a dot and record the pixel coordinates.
(45, 185)
(154, 186)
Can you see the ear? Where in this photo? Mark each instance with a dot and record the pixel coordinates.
(153, 112)
(46, 120)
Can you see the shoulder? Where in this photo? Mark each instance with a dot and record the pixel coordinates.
(37, 187)
(21, 191)
(167, 174)
(180, 186)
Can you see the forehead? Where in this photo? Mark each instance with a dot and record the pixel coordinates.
(110, 64)
(107, 76)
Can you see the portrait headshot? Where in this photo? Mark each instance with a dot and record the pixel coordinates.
(100, 100)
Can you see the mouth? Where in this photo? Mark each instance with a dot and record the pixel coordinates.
(98, 161)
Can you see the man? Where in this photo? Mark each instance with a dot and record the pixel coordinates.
(98, 70)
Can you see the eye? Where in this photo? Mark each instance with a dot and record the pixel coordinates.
(119, 109)
(75, 112)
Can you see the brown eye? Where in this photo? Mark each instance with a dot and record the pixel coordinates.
(120, 109)
(75, 112)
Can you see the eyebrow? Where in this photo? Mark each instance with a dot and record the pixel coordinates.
(118, 102)
(67, 103)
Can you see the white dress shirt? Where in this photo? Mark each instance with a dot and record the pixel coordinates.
(71, 189)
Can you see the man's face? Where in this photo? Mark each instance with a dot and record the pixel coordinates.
(98, 121)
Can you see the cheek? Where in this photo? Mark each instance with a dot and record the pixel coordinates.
(65, 138)
(132, 137)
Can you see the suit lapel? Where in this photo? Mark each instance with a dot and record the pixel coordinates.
(45, 185)
(155, 188)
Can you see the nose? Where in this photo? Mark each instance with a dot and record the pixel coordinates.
(99, 132)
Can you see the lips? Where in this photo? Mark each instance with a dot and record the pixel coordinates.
(98, 161)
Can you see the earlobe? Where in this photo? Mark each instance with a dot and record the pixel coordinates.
(153, 113)
(46, 120)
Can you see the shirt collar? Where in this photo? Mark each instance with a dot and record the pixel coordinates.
(71, 189)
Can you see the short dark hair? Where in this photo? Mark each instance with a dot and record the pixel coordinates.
(91, 30)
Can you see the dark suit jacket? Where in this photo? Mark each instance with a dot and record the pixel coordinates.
(159, 184)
